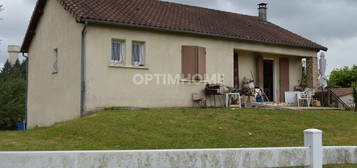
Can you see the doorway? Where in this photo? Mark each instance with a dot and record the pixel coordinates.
(269, 79)
(236, 70)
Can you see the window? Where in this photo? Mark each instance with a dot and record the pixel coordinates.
(118, 50)
(138, 53)
(193, 62)
(55, 61)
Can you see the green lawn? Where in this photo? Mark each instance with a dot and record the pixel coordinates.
(186, 128)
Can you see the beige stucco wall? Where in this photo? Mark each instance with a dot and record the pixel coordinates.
(247, 65)
(113, 86)
(54, 97)
(108, 86)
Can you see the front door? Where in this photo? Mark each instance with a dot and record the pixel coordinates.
(236, 71)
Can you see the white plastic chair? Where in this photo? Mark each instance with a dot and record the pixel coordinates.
(307, 96)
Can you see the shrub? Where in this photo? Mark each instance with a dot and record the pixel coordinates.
(12, 95)
(354, 87)
(343, 78)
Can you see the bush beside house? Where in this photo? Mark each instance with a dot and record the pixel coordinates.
(12, 95)
(343, 78)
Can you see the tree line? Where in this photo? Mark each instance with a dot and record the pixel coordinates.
(345, 77)
(13, 89)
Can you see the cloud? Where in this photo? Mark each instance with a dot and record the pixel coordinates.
(342, 53)
(317, 19)
(327, 22)
(30, 2)
(15, 18)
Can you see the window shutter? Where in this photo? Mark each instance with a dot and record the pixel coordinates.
(188, 61)
(201, 63)
(260, 71)
(283, 77)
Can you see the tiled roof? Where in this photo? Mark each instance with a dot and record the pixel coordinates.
(167, 16)
(342, 91)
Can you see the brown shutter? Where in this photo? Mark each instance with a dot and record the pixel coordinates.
(188, 61)
(260, 71)
(283, 77)
(201, 63)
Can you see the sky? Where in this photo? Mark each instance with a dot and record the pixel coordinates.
(331, 23)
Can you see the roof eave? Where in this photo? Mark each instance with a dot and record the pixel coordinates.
(31, 29)
(38, 12)
(96, 21)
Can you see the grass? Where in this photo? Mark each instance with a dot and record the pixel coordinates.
(185, 128)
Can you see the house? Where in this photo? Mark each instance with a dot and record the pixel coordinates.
(345, 96)
(86, 55)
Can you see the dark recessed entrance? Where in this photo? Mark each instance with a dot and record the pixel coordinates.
(269, 79)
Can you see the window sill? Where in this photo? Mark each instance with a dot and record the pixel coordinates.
(129, 67)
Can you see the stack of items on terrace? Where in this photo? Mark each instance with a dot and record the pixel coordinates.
(250, 95)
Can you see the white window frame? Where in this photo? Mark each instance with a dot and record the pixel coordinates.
(121, 59)
(142, 53)
(55, 61)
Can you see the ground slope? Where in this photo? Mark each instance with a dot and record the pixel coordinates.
(186, 128)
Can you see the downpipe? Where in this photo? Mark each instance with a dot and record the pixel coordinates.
(83, 54)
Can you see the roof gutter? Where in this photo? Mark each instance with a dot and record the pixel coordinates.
(31, 29)
(83, 56)
(191, 32)
(27, 90)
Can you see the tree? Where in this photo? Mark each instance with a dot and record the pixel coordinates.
(13, 88)
(343, 78)
(7, 68)
(12, 102)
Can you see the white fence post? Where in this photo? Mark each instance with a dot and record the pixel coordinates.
(313, 140)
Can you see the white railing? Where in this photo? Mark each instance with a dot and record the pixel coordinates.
(313, 155)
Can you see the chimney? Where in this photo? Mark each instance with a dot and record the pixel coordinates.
(262, 7)
(14, 51)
